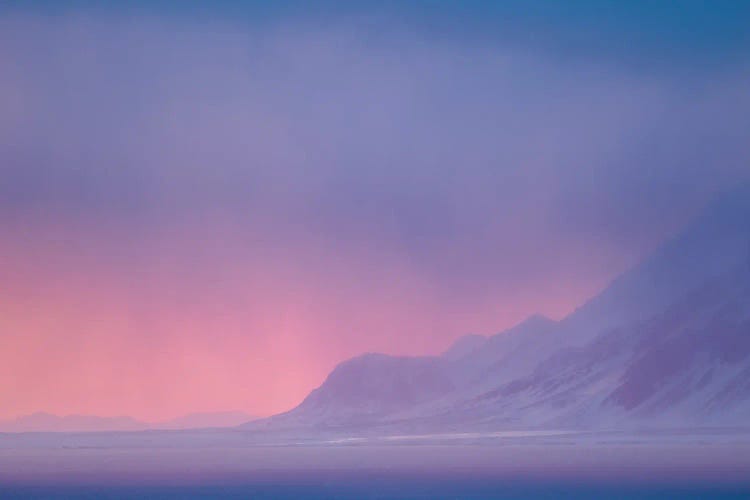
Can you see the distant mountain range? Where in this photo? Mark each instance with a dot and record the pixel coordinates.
(46, 422)
(668, 343)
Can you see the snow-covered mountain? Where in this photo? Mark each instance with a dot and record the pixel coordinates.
(507, 354)
(668, 340)
(372, 387)
(689, 364)
(376, 387)
(715, 242)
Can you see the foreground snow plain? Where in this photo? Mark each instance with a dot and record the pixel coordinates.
(709, 455)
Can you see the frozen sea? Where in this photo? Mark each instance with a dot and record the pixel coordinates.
(695, 463)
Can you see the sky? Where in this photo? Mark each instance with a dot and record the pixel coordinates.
(206, 207)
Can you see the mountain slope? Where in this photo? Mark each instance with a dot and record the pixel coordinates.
(715, 242)
(508, 354)
(377, 387)
(688, 365)
(368, 388)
